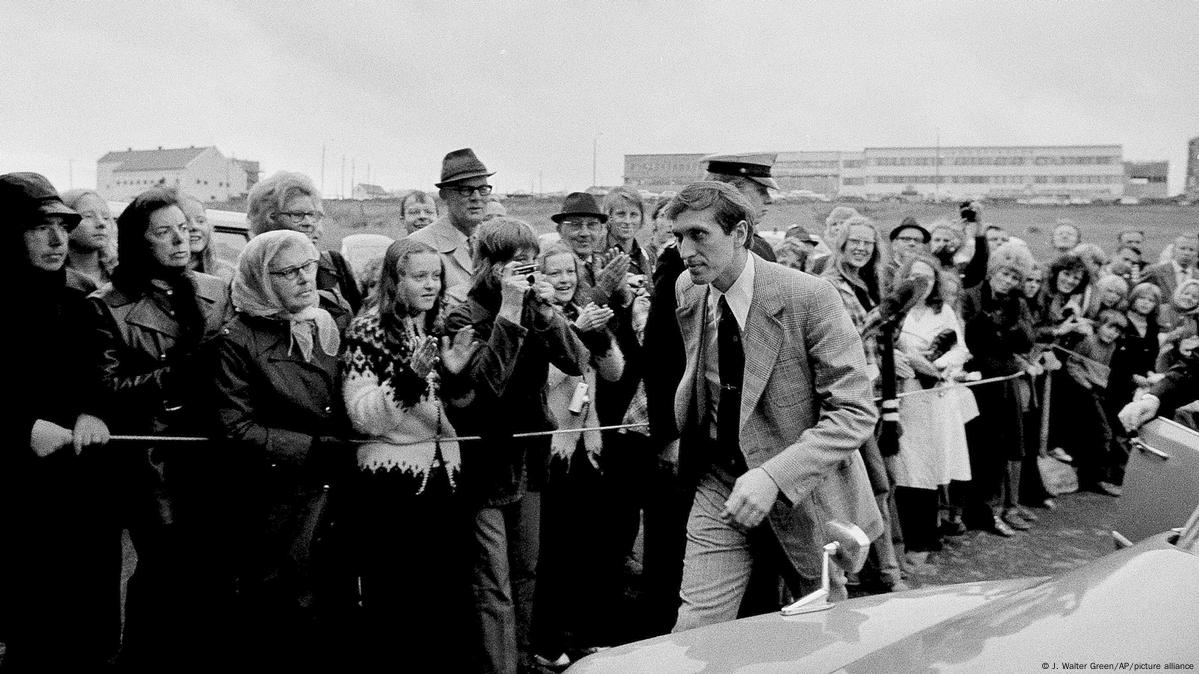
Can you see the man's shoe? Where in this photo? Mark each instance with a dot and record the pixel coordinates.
(1061, 455)
(1000, 528)
(1013, 520)
(1109, 489)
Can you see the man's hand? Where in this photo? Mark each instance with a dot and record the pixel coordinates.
(1138, 412)
(89, 431)
(612, 277)
(754, 494)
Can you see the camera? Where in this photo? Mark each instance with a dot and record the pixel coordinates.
(967, 212)
(580, 399)
(526, 270)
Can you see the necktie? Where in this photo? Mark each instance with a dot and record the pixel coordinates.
(732, 367)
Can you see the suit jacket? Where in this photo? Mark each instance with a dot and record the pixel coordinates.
(459, 266)
(806, 405)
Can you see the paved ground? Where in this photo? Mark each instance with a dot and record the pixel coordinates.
(1078, 531)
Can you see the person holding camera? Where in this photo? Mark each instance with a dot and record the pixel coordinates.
(511, 309)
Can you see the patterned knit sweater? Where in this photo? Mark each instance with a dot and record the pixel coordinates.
(387, 402)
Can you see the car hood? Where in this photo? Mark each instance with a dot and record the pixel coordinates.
(1135, 605)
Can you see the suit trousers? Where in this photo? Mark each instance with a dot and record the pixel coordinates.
(720, 560)
(506, 549)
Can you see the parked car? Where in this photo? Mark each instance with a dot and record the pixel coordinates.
(1137, 605)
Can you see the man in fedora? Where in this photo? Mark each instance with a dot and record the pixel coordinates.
(750, 174)
(464, 189)
(583, 227)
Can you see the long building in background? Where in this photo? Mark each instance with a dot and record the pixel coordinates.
(1040, 173)
(200, 171)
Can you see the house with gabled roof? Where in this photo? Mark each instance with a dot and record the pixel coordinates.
(201, 171)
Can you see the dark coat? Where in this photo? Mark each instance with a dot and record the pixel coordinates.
(60, 550)
(152, 381)
(285, 420)
(506, 380)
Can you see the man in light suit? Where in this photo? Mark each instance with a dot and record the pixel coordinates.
(464, 190)
(1168, 275)
(772, 408)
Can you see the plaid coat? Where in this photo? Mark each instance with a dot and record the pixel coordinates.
(806, 405)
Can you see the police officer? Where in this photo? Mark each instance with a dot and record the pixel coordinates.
(750, 174)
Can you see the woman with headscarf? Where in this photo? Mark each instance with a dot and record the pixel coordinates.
(152, 329)
(278, 400)
(59, 595)
(414, 530)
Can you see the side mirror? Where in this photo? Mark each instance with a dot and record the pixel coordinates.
(848, 548)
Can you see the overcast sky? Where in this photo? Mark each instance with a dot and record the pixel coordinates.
(533, 87)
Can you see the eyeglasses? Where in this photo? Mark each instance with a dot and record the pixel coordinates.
(910, 239)
(467, 190)
(859, 242)
(297, 217)
(293, 273)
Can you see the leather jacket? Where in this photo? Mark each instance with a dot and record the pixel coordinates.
(150, 385)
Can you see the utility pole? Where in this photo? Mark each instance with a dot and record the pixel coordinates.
(341, 185)
(541, 182)
(594, 148)
(70, 174)
(322, 169)
(352, 172)
(937, 184)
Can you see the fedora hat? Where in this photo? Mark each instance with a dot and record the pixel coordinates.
(461, 165)
(579, 203)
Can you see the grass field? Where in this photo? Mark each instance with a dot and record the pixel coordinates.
(1034, 224)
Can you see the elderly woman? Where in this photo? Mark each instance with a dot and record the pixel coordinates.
(89, 250)
(290, 201)
(199, 239)
(577, 540)
(999, 331)
(626, 216)
(855, 269)
(278, 399)
(932, 449)
(152, 330)
(413, 527)
(523, 334)
(60, 605)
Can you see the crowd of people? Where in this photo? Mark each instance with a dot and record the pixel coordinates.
(459, 462)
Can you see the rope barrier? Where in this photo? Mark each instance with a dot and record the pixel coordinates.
(360, 441)
(536, 434)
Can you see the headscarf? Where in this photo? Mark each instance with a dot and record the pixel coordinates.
(254, 295)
